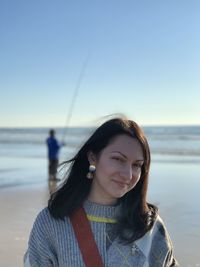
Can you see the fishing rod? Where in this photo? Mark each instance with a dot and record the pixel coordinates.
(78, 84)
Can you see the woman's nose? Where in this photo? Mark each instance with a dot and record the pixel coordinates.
(127, 173)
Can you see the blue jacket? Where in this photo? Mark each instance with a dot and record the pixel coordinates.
(53, 148)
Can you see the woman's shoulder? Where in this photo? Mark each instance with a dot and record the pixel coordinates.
(156, 244)
(160, 236)
(43, 215)
(156, 236)
(160, 227)
(161, 244)
(44, 220)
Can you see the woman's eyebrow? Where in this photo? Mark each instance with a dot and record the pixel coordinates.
(138, 160)
(119, 153)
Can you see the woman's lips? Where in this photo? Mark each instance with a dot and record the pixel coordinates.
(120, 183)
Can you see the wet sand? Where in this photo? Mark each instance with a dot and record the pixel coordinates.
(173, 187)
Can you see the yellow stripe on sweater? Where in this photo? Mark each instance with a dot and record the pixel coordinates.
(100, 219)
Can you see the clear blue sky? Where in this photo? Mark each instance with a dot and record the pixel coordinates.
(144, 61)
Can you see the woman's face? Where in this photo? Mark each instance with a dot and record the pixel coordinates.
(118, 169)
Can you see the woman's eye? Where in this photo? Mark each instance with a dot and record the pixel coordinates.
(138, 166)
(118, 159)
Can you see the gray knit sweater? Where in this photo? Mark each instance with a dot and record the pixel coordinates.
(52, 242)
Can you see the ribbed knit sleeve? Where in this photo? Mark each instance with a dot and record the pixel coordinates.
(40, 250)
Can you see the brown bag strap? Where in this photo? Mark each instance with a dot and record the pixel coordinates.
(85, 239)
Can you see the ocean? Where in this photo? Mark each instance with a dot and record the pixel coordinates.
(23, 151)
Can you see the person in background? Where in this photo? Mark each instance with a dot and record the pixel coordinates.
(53, 155)
(100, 215)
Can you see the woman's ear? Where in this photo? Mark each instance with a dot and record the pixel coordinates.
(91, 158)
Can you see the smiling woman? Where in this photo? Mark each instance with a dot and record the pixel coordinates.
(100, 215)
(118, 169)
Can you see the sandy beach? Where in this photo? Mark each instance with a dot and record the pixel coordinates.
(173, 187)
(19, 206)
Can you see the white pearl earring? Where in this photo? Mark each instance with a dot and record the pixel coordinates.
(92, 169)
